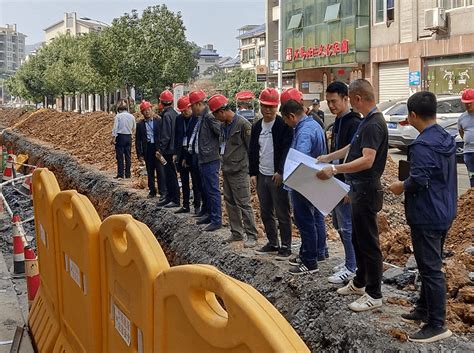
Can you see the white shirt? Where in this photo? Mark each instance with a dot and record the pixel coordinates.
(265, 140)
(124, 124)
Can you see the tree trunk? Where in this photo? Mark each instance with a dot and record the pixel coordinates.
(63, 101)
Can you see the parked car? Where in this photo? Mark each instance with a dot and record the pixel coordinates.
(401, 134)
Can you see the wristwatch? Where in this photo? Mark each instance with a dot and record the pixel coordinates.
(334, 170)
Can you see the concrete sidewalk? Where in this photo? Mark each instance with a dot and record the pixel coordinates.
(10, 313)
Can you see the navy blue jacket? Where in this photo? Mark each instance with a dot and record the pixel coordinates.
(180, 133)
(431, 190)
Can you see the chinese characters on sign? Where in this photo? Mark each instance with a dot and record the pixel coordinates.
(338, 47)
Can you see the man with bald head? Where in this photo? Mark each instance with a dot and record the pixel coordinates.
(365, 159)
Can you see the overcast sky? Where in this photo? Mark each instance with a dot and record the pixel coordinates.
(206, 21)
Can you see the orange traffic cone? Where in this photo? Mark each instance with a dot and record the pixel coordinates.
(18, 248)
(32, 274)
(9, 172)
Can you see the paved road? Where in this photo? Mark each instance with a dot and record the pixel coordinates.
(463, 180)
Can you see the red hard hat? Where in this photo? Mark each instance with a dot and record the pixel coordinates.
(197, 96)
(468, 96)
(289, 94)
(244, 95)
(217, 101)
(183, 103)
(166, 96)
(144, 105)
(269, 96)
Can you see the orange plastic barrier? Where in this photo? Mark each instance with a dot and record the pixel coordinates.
(44, 314)
(189, 317)
(76, 231)
(130, 260)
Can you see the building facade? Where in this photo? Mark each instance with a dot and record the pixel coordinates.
(208, 58)
(252, 46)
(73, 25)
(12, 49)
(421, 45)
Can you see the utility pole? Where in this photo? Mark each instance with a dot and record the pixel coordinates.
(280, 47)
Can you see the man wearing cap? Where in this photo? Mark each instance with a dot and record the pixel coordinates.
(269, 144)
(185, 123)
(316, 113)
(167, 149)
(205, 143)
(308, 139)
(466, 131)
(236, 131)
(146, 142)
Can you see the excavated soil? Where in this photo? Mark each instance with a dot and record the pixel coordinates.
(311, 306)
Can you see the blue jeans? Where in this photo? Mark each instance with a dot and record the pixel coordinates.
(323, 250)
(307, 219)
(342, 221)
(428, 249)
(210, 181)
(469, 160)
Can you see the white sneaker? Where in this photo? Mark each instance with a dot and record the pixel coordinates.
(341, 276)
(350, 289)
(339, 267)
(364, 303)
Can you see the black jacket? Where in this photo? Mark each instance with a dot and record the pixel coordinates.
(182, 130)
(168, 131)
(141, 137)
(282, 136)
(209, 138)
(343, 131)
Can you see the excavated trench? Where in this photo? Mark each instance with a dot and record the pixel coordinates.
(309, 303)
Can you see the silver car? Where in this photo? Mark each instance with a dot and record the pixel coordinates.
(401, 134)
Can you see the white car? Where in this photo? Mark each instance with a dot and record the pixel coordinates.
(401, 134)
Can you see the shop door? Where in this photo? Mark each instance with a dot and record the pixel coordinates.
(393, 81)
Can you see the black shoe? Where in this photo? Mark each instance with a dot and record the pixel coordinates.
(151, 195)
(118, 177)
(212, 227)
(203, 220)
(201, 213)
(302, 269)
(172, 204)
(183, 210)
(164, 202)
(197, 210)
(415, 316)
(429, 334)
(162, 198)
(295, 261)
(283, 254)
(268, 249)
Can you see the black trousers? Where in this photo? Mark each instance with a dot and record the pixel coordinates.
(123, 152)
(172, 186)
(187, 174)
(154, 171)
(367, 200)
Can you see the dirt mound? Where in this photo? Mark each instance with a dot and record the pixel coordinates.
(10, 117)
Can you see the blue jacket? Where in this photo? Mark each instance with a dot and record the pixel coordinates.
(309, 138)
(431, 189)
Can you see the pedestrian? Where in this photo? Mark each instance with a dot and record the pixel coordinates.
(316, 113)
(308, 139)
(345, 127)
(466, 131)
(269, 144)
(124, 127)
(167, 150)
(430, 208)
(234, 148)
(146, 142)
(185, 124)
(205, 139)
(322, 248)
(363, 167)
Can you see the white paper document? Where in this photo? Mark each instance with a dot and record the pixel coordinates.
(300, 175)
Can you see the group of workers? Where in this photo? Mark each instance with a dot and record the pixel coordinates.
(207, 137)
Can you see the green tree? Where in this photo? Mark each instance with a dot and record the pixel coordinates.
(235, 81)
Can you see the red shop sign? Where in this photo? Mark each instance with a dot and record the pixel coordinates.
(338, 47)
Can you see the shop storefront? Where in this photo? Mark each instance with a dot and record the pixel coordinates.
(325, 41)
(449, 74)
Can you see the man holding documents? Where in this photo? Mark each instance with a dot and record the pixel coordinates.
(365, 159)
(308, 139)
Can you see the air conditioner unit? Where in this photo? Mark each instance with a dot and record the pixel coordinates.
(435, 19)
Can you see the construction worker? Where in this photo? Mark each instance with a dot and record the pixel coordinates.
(235, 163)
(205, 142)
(124, 127)
(167, 149)
(244, 105)
(185, 123)
(269, 144)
